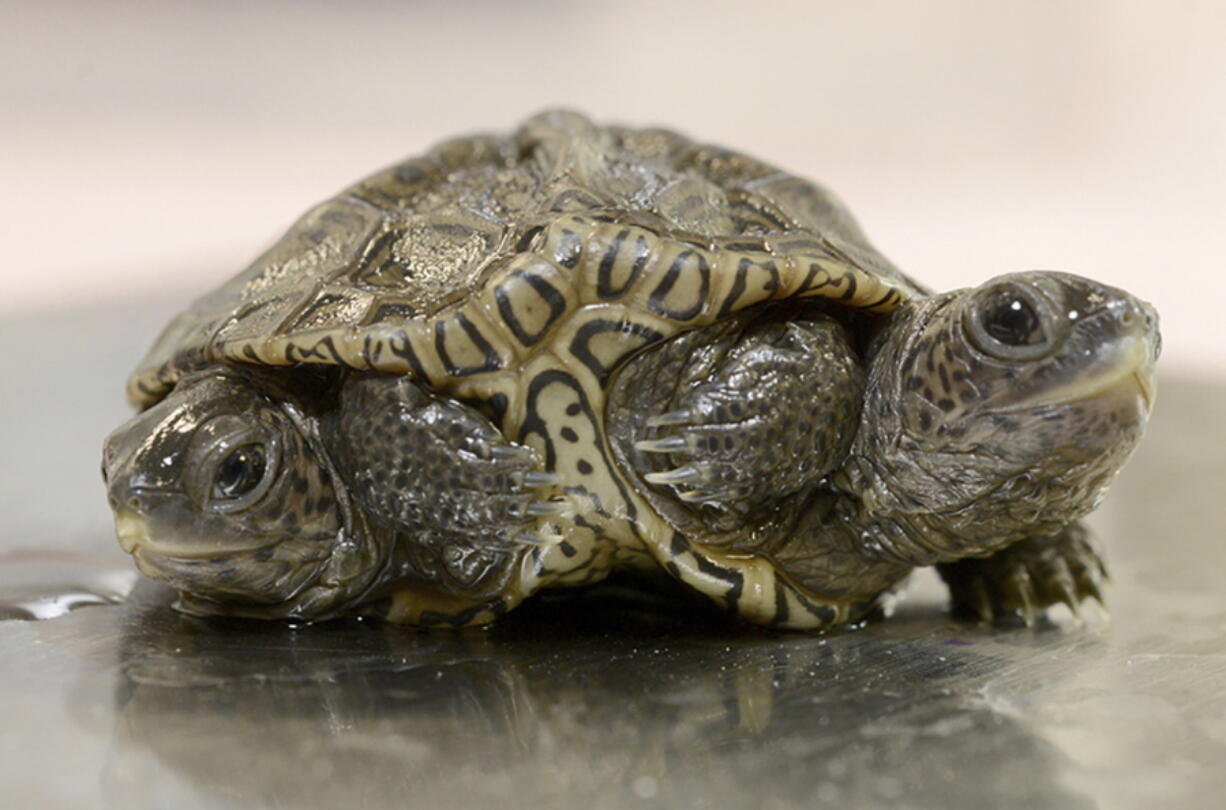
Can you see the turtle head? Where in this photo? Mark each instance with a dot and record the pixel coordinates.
(1003, 410)
(221, 491)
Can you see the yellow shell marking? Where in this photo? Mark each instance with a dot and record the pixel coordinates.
(533, 314)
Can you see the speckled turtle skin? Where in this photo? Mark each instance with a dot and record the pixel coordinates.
(527, 361)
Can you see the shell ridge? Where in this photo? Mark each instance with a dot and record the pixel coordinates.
(667, 229)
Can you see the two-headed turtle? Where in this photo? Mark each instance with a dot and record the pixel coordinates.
(526, 362)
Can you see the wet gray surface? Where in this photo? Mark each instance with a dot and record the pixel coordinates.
(609, 700)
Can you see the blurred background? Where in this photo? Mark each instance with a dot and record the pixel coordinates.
(149, 150)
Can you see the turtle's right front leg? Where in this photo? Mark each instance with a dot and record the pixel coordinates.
(733, 418)
(1017, 583)
(461, 501)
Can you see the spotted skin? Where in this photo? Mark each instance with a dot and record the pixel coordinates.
(758, 409)
(516, 276)
(521, 273)
(944, 401)
(460, 496)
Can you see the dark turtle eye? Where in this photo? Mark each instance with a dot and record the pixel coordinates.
(1010, 318)
(1008, 321)
(240, 472)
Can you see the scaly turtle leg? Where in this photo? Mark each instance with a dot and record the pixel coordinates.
(1017, 583)
(463, 504)
(728, 420)
(730, 429)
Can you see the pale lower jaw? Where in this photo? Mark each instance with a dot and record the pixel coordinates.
(147, 567)
(162, 567)
(1130, 373)
(134, 538)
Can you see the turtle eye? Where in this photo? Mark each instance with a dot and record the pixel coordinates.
(1010, 319)
(240, 472)
(1007, 321)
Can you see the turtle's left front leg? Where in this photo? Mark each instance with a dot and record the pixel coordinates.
(458, 503)
(1018, 582)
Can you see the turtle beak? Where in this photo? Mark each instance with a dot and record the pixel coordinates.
(1143, 320)
(1147, 386)
(122, 487)
(139, 468)
(117, 455)
(131, 528)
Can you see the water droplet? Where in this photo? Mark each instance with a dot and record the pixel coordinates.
(37, 584)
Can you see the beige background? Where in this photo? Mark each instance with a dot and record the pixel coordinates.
(147, 151)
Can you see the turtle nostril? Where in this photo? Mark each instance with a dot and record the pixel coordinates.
(1128, 317)
(134, 503)
(1151, 316)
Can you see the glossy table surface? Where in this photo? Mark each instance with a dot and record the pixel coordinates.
(611, 699)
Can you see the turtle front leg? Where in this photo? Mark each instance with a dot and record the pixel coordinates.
(1017, 583)
(727, 420)
(460, 503)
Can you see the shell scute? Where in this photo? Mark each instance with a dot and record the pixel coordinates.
(328, 307)
(479, 254)
(462, 343)
(529, 299)
(678, 286)
(745, 279)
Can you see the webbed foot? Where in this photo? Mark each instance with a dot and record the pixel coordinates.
(1016, 584)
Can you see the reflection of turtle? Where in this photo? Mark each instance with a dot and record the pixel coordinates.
(575, 702)
(524, 362)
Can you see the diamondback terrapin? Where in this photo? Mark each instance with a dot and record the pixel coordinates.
(527, 361)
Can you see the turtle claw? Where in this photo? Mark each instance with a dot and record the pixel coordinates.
(1090, 587)
(1065, 595)
(537, 478)
(546, 508)
(510, 452)
(672, 444)
(1026, 609)
(682, 416)
(682, 475)
(699, 477)
(1015, 585)
(1062, 588)
(541, 503)
(1089, 573)
(980, 602)
(704, 478)
(538, 538)
(700, 496)
(1014, 599)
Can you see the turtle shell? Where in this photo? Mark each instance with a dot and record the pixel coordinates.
(563, 243)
